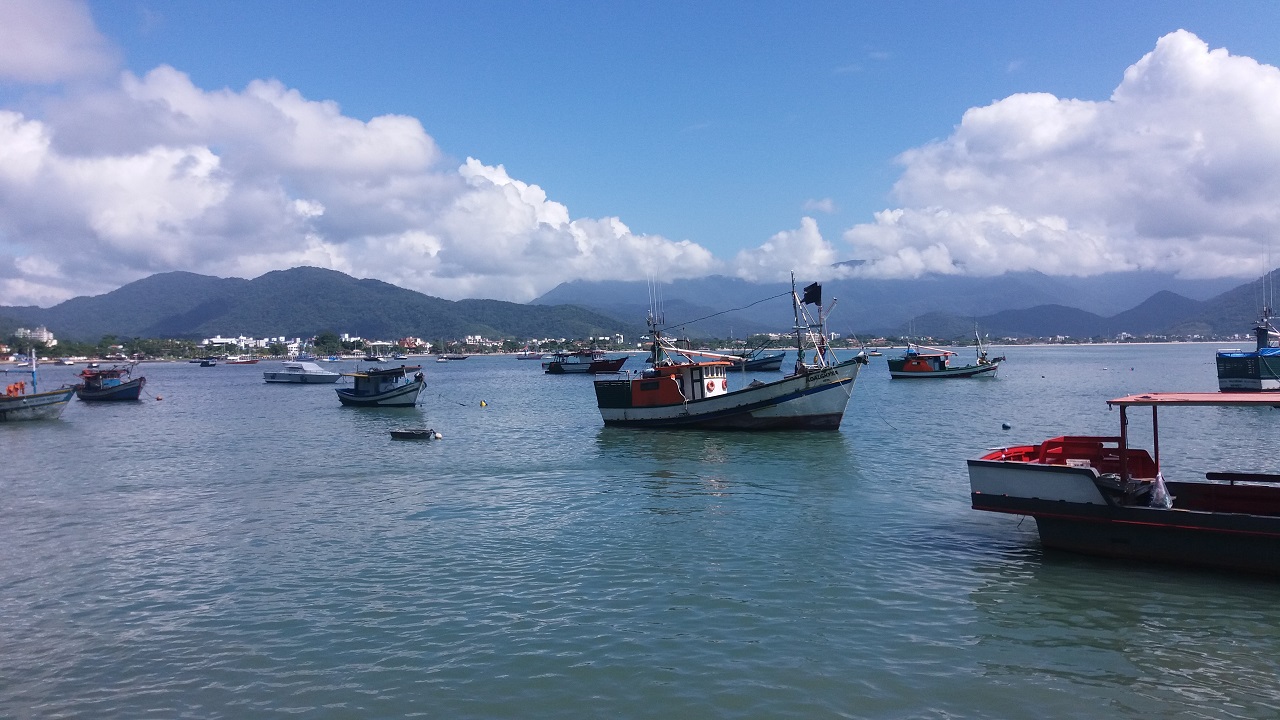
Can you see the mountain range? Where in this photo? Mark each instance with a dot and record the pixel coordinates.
(299, 302)
(304, 301)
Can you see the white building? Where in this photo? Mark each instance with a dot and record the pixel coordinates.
(40, 334)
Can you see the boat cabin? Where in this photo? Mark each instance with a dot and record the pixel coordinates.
(673, 384)
(375, 381)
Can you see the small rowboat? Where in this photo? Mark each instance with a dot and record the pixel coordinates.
(415, 434)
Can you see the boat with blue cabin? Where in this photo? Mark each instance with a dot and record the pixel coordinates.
(389, 387)
(1254, 370)
(115, 383)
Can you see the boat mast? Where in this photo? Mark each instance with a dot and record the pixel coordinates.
(795, 306)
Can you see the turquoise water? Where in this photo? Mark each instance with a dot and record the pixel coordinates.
(238, 549)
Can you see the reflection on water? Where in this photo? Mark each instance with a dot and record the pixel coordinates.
(243, 549)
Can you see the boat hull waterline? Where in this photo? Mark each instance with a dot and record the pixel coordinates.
(1066, 521)
(950, 372)
(400, 396)
(1100, 495)
(125, 391)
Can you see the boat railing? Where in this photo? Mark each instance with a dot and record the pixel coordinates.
(1235, 477)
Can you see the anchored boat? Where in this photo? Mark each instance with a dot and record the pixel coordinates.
(376, 387)
(1100, 496)
(589, 362)
(18, 404)
(922, 361)
(682, 389)
(303, 373)
(1255, 370)
(114, 383)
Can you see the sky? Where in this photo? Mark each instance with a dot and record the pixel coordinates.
(494, 149)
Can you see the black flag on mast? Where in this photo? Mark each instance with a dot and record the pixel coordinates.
(813, 295)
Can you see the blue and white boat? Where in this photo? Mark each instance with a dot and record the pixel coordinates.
(1254, 370)
(390, 387)
(18, 404)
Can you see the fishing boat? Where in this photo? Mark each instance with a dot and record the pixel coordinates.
(209, 362)
(390, 387)
(758, 360)
(1101, 496)
(18, 404)
(113, 383)
(690, 389)
(527, 354)
(590, 362)
(303, 373)
(1254, 370)
(922, 361)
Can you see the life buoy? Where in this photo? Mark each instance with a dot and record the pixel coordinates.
(724, 384)
(711, 385)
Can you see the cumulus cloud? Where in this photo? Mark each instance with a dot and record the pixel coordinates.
(153, 173)
(802, 250)
(1175, 171)
(49, 41)
(107, 180)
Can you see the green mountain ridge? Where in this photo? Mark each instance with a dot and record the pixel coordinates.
(302, 302)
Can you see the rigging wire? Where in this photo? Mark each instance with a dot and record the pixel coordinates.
(722, 312)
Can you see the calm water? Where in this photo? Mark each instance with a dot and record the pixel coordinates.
(238, 549)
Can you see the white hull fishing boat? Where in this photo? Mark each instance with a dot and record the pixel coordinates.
(679, 391)
(305, 373)
(391, 387)
(17, 404)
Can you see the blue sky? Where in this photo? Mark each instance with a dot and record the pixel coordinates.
(567, 140)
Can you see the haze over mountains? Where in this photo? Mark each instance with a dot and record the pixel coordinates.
(304, 301)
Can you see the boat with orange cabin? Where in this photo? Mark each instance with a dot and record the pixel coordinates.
(691, 389)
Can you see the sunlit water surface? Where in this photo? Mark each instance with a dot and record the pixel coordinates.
(228, 548)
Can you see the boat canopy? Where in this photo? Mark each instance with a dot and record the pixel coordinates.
(1167, 399)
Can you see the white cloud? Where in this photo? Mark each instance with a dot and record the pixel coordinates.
(48, 41)
(1175, 171)
(154, 174)
(825, 205)
(803, 251)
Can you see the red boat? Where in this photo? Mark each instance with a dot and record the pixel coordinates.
(1100, 496)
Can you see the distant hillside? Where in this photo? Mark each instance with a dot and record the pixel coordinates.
(868, 304)
(1164, 313)
(302, 302)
